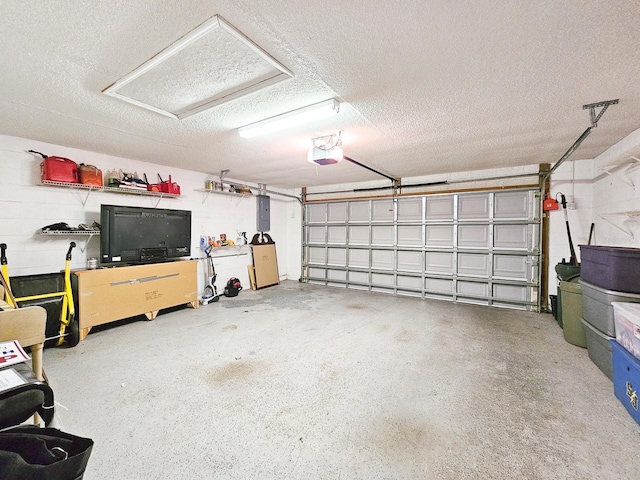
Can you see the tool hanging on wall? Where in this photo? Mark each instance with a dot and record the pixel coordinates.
(574, 258)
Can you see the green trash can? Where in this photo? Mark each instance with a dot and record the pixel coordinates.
(566, 273)
(572, 314)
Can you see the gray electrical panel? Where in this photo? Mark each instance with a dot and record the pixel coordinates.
(263, 214)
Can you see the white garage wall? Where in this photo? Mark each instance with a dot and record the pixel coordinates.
(616, 197)
(610, 201)
(25, 207)
(574, 178)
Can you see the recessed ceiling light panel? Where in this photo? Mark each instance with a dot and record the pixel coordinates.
(213, 64)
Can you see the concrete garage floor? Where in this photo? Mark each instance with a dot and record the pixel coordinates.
(307, 382)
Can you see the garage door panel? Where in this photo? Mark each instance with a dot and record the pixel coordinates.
(317, 235)
(359, 235)
(382, 235)
(339, 275)
(414, 283)
(439, 285)
(359, 258)
(510, 292)
(473, 288)
(473, 207)
(359, 277)
(317, 255)
(473, 264)
(382, 259)
(382, 210)
(439, 235)
(410, 209)
(410, 261)
(337, 235)
(359, 211)
(318, 273)
(511, 236)
(410, 235)
(317, 212)
(439, 208)
(473, 236)
(440, 262)
(337, 256)
(337, 212)
(381, 280)
(511, 266)
(513, 205)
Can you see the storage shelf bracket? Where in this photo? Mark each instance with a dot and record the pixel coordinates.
(84, 202)
(630, 215)
(631, 163)
(86, 243)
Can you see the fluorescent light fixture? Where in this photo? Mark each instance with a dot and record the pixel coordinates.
(321, 156)
(290, 119)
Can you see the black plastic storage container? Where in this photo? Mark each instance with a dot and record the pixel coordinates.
(611, 268)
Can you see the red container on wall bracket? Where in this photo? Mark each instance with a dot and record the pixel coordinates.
(549, 204)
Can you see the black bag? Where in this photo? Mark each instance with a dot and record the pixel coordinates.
(233, 287)
(30, 452)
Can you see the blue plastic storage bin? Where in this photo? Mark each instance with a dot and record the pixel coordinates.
(626, 378)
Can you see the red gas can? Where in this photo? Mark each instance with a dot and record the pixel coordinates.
(58, 169)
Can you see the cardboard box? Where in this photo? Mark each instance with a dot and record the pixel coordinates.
(109, 294)
(265, 265)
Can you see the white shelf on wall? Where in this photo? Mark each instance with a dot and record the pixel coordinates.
(621, 169)
(229, 251)
(207, 192)
(72, 233)
(630, 215)
(120, 190)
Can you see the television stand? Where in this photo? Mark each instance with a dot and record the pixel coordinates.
(109, 294)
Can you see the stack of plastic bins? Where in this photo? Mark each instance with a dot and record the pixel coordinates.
(609, 274)
(572, 313)
(598, 321)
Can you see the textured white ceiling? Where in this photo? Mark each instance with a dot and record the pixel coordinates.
(429, 86)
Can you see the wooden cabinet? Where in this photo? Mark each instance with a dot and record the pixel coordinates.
(109, 294)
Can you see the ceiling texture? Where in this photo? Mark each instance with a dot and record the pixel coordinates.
(426, 86)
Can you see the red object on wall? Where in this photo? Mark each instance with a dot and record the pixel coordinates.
(549, 204)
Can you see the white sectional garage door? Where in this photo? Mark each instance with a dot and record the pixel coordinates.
(467, 247)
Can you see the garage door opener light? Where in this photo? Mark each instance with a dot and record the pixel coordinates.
(326, 150)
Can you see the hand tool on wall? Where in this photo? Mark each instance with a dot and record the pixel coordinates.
(574, 258)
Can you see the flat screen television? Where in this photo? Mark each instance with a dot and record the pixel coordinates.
(137, 235)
